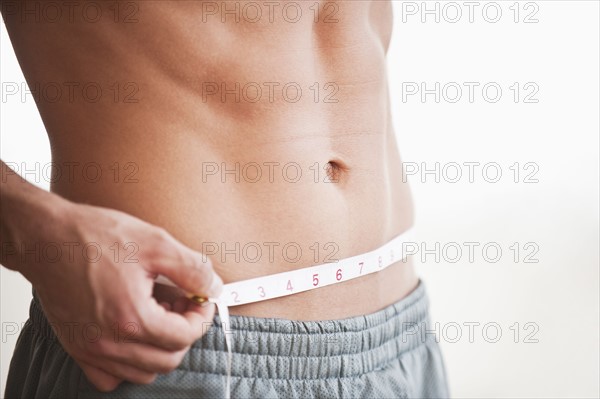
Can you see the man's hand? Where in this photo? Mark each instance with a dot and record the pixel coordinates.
(101, 306)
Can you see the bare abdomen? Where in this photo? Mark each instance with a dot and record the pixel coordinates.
(267, 146)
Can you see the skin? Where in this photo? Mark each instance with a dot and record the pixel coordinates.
(162, 139)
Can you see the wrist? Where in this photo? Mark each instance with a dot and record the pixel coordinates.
(30, 219)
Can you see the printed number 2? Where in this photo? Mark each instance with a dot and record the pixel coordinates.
(289, 286)
(235, 296)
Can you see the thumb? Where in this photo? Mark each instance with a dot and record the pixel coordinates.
(188, 270)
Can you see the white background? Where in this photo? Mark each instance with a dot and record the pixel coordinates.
(558, 296)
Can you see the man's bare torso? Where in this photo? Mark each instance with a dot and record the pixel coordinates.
(257, 132)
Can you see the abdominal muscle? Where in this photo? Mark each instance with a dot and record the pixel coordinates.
(259, 187)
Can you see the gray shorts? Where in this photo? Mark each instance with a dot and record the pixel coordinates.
(380, 355)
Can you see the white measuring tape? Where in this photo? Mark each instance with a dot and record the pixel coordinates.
(295, 281)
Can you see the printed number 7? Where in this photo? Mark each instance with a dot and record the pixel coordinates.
(361, 266)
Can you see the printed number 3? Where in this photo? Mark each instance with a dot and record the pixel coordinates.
(261, 292)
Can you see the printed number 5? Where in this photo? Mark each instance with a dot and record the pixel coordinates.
(315, 279)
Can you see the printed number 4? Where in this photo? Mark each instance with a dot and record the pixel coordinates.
(289, 286)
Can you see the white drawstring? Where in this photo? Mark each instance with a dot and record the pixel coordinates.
(225, 324)
(224, 315)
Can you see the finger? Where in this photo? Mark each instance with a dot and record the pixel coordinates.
(126, 372)
(187, 269)
(173, 331)
(200, 318)
(147, 357)
(196, 307)
(103, 381)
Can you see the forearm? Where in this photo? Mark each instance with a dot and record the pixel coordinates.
(28, 216)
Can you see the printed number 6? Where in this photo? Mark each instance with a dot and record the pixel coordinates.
(338, 275)
(315, 279)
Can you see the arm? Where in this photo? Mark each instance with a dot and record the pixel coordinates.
(18, 201)
(79, 289)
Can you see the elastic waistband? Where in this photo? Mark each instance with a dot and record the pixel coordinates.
(273, 348)
(279, 348)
